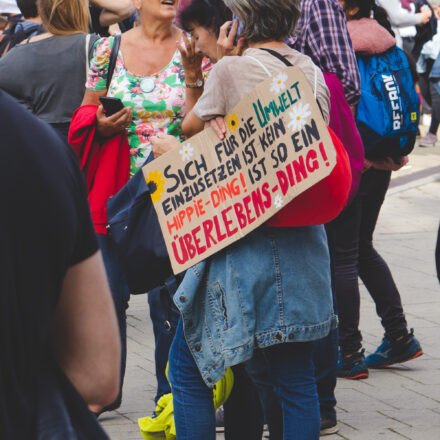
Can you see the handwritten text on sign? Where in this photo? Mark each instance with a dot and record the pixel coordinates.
(210, 193)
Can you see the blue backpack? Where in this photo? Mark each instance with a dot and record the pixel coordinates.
(388, 111)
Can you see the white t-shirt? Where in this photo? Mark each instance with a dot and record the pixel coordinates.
(234, 77)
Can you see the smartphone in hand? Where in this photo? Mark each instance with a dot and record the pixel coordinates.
(239, 29)
(111, 105)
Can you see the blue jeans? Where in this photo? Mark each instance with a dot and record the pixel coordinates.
(325, 358)
(121, 296)
(292, 374)
(164, 316)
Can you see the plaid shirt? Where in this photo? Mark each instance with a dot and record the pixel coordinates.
(322, 35)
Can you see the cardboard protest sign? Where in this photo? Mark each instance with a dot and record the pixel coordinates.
(210, 193)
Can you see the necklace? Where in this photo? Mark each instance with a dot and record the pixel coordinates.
(148, 85)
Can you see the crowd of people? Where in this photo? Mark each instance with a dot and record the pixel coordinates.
(281, 306)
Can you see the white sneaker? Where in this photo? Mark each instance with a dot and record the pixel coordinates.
(428, 141)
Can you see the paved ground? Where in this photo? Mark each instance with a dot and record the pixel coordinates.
(398, 403)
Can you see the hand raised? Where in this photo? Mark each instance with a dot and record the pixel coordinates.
(191, 60)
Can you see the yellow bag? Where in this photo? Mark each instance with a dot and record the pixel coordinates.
(162, 426)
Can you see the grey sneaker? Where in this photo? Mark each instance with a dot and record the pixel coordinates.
(428, 141)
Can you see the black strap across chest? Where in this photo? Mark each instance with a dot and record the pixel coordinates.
(277, 55)
(113, 57)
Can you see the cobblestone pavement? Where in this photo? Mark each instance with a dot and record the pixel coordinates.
(402, 402)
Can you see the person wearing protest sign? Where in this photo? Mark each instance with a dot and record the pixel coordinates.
(249, 280)
(157, 77)
(323, 36)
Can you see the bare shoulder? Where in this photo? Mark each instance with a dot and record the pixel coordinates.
(37, 38)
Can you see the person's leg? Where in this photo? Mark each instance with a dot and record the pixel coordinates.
(325, 357)
(242, 411)
(373, 270)
(431, 137)
(345, 236)
(164, 316)
(437, 254)
(435, 99)
(258, 370)
(292, 373)
(424, 87)
(398, 345)
(193, 403)
(121, 295)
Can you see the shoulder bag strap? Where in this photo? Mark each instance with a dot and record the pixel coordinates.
(113, 57)
(87, 54)
(277, 55)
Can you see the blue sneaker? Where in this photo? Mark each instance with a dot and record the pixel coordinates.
(395, 352)
(353, 366)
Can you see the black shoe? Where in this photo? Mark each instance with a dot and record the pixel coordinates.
(353, 366)
(329, 426)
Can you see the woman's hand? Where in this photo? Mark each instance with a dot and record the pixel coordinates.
(367, 165)
(225, 42)
(388, 164)
(218, 125)
(114, 124)
(191, 60)
(162, 143)
(425, 14)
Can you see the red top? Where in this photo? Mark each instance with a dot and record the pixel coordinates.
(105, 162)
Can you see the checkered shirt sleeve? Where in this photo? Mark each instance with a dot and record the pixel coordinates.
(322, 35)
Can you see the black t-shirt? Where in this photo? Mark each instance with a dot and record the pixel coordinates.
(45, 227)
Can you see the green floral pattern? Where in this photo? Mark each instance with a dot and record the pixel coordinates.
(158, 112)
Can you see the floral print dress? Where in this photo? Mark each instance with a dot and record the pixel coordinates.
(157, 101)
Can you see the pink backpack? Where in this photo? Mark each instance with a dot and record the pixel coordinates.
(342, 122)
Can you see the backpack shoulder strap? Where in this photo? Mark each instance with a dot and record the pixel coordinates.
(113, 57)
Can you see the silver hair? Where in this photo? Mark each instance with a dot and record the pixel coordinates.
(266, 19)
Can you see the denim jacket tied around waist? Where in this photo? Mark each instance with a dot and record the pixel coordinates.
(272, 286)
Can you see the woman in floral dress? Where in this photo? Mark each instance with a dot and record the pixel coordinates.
(158, 77)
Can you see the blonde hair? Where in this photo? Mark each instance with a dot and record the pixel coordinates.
(64, 17)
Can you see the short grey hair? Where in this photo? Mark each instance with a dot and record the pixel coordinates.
(266, 19)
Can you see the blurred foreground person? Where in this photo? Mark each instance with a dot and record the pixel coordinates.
(58, 326)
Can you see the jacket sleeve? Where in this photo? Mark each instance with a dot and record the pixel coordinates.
(81, 139)
(331, 46)
(399, 16)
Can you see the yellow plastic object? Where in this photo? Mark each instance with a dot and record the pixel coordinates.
(162, 426)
